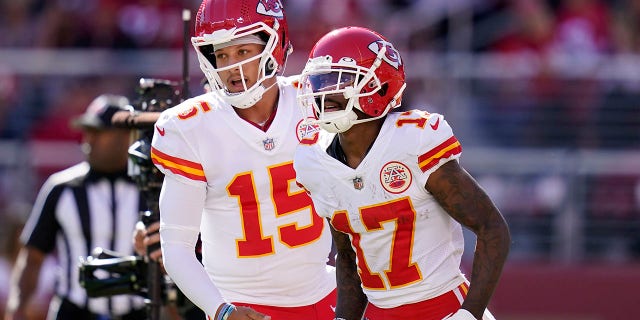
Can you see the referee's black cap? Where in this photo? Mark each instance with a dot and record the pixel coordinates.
(100, 111)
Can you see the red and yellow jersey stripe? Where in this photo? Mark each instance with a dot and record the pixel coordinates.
(182, 167)
(446, 149)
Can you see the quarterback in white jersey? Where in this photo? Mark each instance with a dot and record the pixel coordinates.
(394, 192)
(227, 157)
(257, 222)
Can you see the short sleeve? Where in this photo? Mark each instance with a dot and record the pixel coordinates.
(437, 145)
(42, 227)
(172, 153)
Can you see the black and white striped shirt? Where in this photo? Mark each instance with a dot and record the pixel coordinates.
(76, 211)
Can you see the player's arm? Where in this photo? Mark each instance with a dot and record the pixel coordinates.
(351, 300)
(181, 208)
(24, 282)
(38, 237)
(461, 196)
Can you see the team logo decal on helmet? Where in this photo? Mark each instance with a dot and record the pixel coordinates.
(355, 63)
(271, 8)
(391, 55)
(222, 23)
(395, 177)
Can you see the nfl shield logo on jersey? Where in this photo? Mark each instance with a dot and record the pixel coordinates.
(357, 183)
(268, 144)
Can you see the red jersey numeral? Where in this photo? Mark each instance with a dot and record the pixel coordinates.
(255, 243)
(419, 122)
(402, 270)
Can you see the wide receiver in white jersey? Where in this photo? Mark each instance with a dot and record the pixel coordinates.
(391, 185)
(227, 157)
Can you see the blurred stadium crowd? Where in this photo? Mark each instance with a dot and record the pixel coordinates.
(561, 73)
(544, 94)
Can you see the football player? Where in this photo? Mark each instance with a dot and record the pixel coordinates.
(227, 157)
(393, 190)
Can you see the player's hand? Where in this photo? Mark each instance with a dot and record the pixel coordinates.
(138, 239)
(144, 237)
(246, 313)
(461, 314)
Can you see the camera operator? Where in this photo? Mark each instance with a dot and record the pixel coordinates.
(92, 204)
(157, 95)
(145, 237)
(105, 273)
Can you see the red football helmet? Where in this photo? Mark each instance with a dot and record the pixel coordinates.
(359, 64)
(225, 21)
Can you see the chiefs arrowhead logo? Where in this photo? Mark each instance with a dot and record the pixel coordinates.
(307, 133)
(391, 55)
(395, 177)
(271, 8)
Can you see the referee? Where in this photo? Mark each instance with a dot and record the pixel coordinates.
(91, 204)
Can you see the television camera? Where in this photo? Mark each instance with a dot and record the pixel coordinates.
(106, 273)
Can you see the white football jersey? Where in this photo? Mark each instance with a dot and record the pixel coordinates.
(408, 248)
(261, 241)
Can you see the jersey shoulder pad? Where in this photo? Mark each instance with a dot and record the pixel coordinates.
(189, 113)
(429, 123)
(306, 164)
(289, 81)
(437, 127)
(174, 143)
(413, 116)
(438, 144)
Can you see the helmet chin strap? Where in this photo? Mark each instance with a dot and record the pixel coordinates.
(340, 123)
(246, 99)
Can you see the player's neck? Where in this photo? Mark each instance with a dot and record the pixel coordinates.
(357, 141)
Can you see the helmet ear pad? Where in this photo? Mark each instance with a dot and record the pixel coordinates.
(222, 21)
(219, 15)
(370, 105)
(270, 66)
(376, 83)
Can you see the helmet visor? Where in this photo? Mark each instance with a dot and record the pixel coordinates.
(331, 81)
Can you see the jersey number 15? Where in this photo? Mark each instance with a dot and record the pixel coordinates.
(255, 242)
